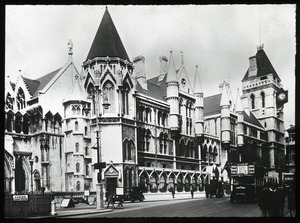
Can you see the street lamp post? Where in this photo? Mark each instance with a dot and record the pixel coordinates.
(100, 165)
(31, 172)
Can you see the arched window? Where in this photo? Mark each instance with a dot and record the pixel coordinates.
(262, 99)
(87, 170)
(147, 139)
(210, 155)
(18, 123)
(161, 142)
(78, 186)
(20, 99)
(77, 147)
(140, 139)
(86, 151)
(181, 148)
(9, 101)
(215, 154)
(204, 155)
(77, 167)
(109, 94)
(91, 95)
(125, 99)
(25, 124)
(85, 130)
(252, 97)
(165, 143)
(76, 125)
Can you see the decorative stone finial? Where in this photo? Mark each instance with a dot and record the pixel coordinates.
(70, 46)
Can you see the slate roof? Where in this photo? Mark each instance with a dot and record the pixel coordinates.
(156, 89)
(107, 41)
(251, 119)
(264, 66)
(212, 105)
(13, 85)
(34, 86)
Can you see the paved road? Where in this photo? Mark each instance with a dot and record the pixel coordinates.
(199, 207)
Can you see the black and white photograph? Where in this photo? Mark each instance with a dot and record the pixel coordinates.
(149, 111)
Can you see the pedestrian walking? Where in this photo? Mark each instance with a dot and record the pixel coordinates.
(106, 197)
(192, 193)
(264, 200)
(173, 193)
(280, 197)
(291, 201)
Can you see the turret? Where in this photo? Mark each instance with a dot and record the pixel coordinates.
(199, 109)
(239, 111)
(173, 97)
(225, 117)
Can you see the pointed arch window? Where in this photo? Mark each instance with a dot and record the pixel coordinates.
(20, 99)
(77, 147)
(263, 104)
(147, 139)
(77, 167)
(78, 186)
(86, 151)
(76, 125)
(126, 99)
(109, 93)
(252, 99)
(9, 101)
(87, 170)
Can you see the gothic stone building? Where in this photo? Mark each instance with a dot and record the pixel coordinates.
(157, 133)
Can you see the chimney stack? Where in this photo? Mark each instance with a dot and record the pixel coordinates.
(139, 69)
(163, 67)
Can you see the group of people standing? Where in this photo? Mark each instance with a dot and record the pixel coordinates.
(272, 199)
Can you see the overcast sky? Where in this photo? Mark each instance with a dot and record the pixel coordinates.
(218, 38)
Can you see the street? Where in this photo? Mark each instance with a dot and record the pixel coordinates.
(197, 207)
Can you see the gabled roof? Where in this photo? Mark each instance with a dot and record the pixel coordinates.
(264, 66)
(107, 41)
(212, 105)
(251, 119)
(34, 86)
(291, 129)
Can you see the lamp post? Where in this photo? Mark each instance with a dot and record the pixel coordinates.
(31, 172)
(100, 165)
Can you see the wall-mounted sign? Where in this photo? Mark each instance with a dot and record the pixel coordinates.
(119, 191)
(20, 197)
(87, 193)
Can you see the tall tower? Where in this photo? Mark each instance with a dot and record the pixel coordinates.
(225, 118)
(199, 108)
(263, 94)
(173, 97)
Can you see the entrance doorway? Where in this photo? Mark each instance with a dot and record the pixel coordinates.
(111, 185)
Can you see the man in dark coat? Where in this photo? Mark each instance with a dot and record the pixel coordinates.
(264, 201)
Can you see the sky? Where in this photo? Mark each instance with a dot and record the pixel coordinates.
(218, 38)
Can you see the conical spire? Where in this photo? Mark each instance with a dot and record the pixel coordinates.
(224, 98)
(197, 82)
(76, 92)
(171, 76)
(239, 107)
(107, 41)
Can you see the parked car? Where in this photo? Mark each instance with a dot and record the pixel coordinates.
(134, 194)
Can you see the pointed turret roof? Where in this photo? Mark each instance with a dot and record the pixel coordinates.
(224, 98)
(239, 107)
(172, 74)
(107, 41)
(76, 92)
(197, 82)
(264, 66)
